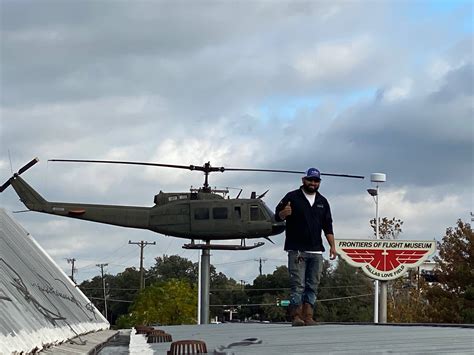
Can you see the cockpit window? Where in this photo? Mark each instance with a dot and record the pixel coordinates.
(256, 214)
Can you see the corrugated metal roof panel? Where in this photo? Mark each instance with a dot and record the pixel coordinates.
(269, 339)
(39, 304)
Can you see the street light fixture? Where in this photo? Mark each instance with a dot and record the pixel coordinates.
(372, 192)
(376, 178)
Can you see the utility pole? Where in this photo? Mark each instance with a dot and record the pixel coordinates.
(71, 261)
(142, 245)
(103, 287)
(260, 266)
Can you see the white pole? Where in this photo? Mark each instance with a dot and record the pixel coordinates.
(376, 294)
(199, 288)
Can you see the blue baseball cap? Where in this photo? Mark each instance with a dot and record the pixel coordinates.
(313, 173)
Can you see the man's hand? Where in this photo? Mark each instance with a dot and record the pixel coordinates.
(332, 246)
(286, 211)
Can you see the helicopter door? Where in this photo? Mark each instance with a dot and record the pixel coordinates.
(208, 220)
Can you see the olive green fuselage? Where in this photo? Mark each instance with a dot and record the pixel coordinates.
(190, 215)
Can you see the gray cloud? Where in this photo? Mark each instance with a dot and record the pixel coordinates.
(286, 85)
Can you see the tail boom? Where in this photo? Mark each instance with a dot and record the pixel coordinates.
(125, 216)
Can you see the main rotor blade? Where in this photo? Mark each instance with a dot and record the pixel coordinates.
(292, 172)
(207, 168)
(189, 167)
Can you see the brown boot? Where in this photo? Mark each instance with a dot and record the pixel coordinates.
(295, 314)
(308, 314)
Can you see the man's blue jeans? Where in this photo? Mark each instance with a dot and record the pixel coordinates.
(305, 273)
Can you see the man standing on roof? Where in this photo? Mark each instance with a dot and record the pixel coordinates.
(307, 214)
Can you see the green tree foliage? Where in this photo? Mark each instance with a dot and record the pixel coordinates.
(266, 289)
(452, 299)
(271, 312)
(173, 267)
(169, 303)
(93, 289)
(122, 291)
(226, 291)
(345, 294)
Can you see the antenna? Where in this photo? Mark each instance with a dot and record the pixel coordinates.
(10, 157)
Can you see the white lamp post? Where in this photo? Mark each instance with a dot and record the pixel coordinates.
(377, 178)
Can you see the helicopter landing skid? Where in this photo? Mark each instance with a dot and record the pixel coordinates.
(242, 246)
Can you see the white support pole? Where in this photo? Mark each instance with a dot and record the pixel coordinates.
(199, 288)
(376, 292)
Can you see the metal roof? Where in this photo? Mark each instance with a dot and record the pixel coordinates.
(39, 304)
(258, 338)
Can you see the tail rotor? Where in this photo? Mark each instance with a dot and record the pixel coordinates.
(21, 171)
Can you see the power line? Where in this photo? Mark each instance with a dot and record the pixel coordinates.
(279, 288)
(106, 256)
(234, 262)
(110, 300)
(110, 289)
(343, 298)
(274, 304)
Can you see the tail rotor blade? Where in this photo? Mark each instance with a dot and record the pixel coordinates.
(27, 166)
(5, 185)
(21, 171)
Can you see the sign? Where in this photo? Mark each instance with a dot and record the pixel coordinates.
(385, 259)
(282, 303)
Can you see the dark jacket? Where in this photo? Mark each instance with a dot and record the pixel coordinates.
(306, 222)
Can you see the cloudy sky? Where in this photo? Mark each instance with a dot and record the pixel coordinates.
(346, 86)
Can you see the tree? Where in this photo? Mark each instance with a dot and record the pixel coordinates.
(344, 285)
(388, 228)
(169, 303)
(407, 303)
(452, 299)
(123, 289)
(224, 290)
(93, 289)
(173, 267)
(269, 288)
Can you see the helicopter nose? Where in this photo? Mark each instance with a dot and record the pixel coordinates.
(278, 227)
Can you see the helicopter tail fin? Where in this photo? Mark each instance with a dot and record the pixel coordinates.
(32, 199)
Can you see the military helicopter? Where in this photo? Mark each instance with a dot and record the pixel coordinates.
(202, 214)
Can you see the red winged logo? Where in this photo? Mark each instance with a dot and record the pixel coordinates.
(385, 260)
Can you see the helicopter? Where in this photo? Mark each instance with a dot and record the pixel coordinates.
(200, 214)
